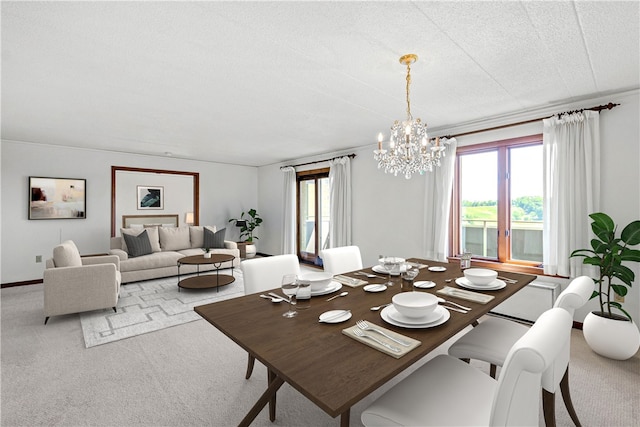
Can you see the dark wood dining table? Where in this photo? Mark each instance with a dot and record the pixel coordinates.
(331, 369)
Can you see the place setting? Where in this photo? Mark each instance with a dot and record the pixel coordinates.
(321, 283)
(481, 279)
(415, 310)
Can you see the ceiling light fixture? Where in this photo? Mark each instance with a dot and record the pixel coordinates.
(410, 149)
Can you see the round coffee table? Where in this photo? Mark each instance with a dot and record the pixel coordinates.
(209, 280)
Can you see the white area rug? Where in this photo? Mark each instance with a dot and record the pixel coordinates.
(150, 306)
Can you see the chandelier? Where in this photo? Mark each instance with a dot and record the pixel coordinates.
(410, 149)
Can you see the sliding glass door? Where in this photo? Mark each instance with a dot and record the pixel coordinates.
(313, 213)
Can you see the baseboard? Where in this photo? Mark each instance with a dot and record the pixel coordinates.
(25, 283)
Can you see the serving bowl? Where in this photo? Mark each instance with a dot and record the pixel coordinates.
(319, 280)
(414, 304)
(480, 276)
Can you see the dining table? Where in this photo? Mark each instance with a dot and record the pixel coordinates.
(331, 368)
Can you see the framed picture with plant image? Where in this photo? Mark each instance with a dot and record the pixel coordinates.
(150, 197)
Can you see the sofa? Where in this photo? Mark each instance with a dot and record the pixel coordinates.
(73, 284)
(166, 246)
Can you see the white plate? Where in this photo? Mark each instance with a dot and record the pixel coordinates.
(380, 269)
(331, 313)
(436, 268)
(493, 286)
(432, 317)
(424, 284)
(333, 286)
(375, 288)
(385, 316)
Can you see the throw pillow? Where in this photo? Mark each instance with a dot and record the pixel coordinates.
(174, 238)
(152, 232)
(138, 245)
(66, 255)
(196, 234)
(214, 240)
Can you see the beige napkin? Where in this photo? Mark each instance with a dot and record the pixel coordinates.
(349, 281)
(418, 265)
(372, 343)
(466, 295)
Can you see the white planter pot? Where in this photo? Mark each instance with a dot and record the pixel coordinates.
(207, 255)
(615, 339)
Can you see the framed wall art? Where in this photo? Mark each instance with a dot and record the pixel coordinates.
(150, 197)
(57, 198)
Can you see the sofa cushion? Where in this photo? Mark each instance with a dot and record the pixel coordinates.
(196, 233)
(214, 240)
(66, 255)
(152, 233)
(173, 239)
(138, 245)
(152, 261)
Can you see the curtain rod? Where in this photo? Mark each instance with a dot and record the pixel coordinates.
(608, 106)
(351, 156)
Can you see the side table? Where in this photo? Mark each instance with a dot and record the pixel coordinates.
(247, 249)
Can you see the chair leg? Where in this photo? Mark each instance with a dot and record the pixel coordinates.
(566, 397)
(549, 408)
(250, 362)
(492, 370)
(46, 319)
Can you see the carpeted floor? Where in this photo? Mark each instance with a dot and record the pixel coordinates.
(193, 375)
(150, 306)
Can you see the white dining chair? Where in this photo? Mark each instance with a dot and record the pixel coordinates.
(341, 259)
(261, 274)
(446, 391)
(491, 340)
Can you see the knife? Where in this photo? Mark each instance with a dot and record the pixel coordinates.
(273, 294)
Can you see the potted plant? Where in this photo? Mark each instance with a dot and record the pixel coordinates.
(207, 253)
(608, 333)
(248, 224)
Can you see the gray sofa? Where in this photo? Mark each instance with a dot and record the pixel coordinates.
(168, 245)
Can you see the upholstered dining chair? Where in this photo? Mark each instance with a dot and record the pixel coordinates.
(341, 259)
(74, 284)
(261, 274)
(491, 340)
(448, 391)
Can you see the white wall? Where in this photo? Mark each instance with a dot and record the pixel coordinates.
(388, 211)
(225, 191)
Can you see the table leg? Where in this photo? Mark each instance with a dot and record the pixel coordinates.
(272, 402)
(266, 397)
(344, 418)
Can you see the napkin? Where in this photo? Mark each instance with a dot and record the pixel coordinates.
(349, 281)
(371, 343)
(418, 265)
(464, 294)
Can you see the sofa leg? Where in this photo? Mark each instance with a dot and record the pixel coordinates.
(114, 310)
(46, 319)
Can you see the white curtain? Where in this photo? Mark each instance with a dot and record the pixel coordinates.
(437, 205)
(571, 150)
(289, 211)
(340, 198)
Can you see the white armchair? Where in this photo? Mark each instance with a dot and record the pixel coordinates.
(73, 284)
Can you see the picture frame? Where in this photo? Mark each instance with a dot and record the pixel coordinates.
(57, 198)
(150, 197)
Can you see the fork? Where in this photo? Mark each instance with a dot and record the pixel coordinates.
(359, 333)
(369, 275)
(362, 324)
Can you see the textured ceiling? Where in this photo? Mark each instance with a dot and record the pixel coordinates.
(257, 83)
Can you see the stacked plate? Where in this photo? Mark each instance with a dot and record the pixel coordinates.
(331, 287)
(437, 317)
(481, 279)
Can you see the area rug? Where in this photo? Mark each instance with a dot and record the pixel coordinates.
(150, 306)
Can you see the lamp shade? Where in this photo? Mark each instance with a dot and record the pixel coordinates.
(188, 218)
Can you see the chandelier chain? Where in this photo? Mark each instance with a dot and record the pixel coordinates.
(409, 116)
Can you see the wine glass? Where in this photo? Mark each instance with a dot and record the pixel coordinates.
(290, 287)
(389, 263)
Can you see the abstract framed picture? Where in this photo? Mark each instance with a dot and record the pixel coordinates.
(150, 197)
(57, 198)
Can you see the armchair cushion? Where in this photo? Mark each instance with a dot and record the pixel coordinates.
(66, 255)
(138, 245)
(214, 240)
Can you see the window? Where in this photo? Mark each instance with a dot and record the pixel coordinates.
(313, 213)
(497, 212)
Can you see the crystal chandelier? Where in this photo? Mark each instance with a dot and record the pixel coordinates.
(410, 149)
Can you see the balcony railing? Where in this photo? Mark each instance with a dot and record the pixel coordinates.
(480, 238)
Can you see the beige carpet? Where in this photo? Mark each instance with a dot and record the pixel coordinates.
(152, 305)
(192, 375)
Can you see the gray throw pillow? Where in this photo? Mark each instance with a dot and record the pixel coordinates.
(214, 240)
(138, 245)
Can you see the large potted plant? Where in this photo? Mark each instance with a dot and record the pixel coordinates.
(608, 333)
